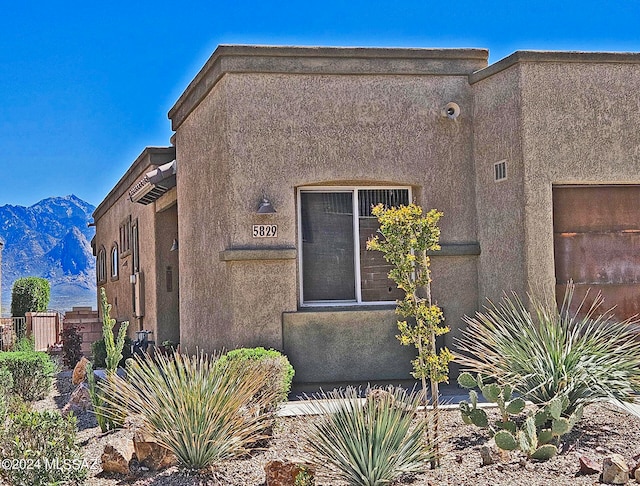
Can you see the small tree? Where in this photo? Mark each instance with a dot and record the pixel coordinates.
(407, 236)
(29, 294)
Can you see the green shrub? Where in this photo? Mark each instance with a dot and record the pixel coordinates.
(99, 351)
(197, 409)
(6, 385)
(277, 367)
(29, 294)
(32, 373)
(370, 444)
(46, 442)
(549, 352)
(25, 344)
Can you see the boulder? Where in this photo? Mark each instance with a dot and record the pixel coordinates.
(615, 470)
(636, 475)
(80, 371)
(117, 455)
(284, 473)
(588, 466)
(79, 401)
(150, 454)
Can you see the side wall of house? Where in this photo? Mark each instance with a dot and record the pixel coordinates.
(114, 212)
(276, 132)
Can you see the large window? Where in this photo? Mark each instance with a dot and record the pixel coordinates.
(334, 226)
(115, 261)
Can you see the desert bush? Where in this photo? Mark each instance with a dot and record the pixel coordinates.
(42, 446)
(199, 410)
(6, 385)
(278, 370)
(71, 345)
(29, 294)
(583, 355)
(32, 373)
(25, 344)
(99, 352)
(370, 444)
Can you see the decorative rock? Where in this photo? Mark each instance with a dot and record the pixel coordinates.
(486, 454)
(615, 470)
(636, 474)
(79, 401)
(284, 473)
(588, 466)
(80, 371)
(150, 454)
(117, 455)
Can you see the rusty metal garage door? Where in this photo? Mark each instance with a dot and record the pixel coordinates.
(597, 243)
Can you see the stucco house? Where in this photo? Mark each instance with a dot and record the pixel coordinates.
(281, 151)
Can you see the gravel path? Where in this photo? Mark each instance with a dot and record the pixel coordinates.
(605, 429)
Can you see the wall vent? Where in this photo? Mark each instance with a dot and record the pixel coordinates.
(500, 170)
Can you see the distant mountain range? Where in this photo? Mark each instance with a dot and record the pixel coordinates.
(50, 239)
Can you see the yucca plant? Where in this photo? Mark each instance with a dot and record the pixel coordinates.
(584, 355)
(367, 444)
(197, 410)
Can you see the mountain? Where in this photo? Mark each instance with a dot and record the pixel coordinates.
(50, 239)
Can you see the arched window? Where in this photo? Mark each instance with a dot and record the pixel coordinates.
(114, 261)
(101, 265)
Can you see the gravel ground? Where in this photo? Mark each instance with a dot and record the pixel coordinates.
(605, 429)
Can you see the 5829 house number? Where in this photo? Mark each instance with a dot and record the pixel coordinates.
(265, 230)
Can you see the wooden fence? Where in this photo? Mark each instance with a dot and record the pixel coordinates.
(43, 326)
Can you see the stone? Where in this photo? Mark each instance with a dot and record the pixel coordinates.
(79, 401)
(80, 371)
(284, 473)
(486, 456)
(636, 475)
(117, 456)
(615, 470)
(150, 454)
(588, 466)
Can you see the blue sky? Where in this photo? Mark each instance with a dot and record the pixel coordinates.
(85, 86)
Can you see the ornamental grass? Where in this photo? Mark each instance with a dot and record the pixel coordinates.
(202, 412)
(367, 444)
(585, 355)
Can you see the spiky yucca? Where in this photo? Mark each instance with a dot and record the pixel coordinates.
(370, 444)
(584, 355)
(197, 410)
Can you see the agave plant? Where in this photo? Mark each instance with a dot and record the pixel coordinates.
(367, 444)
(198, 410)
(584, 355)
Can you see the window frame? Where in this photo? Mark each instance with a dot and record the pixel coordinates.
(101, 265)
(356, 238)
(115, 262)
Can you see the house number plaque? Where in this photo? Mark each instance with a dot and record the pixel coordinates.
(265, 230)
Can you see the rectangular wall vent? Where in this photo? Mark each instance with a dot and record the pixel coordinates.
(500, 170)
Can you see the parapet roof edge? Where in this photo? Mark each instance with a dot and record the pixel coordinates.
(132, 174)
(305, 60)
(553, 56)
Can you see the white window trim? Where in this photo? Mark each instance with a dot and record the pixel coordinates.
(356, 239)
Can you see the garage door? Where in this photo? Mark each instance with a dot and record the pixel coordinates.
(597, 243)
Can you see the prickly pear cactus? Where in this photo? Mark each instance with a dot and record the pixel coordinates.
(505, 440)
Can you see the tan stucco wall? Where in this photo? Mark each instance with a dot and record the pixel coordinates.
(580, 124)
(499, 205)
(276, 132)
(108, 217)
(558, 118)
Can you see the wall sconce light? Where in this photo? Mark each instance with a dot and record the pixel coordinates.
(265, 206)
(174, 246)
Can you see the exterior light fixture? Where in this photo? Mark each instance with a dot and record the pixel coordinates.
(265, 206)
(174, 246)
